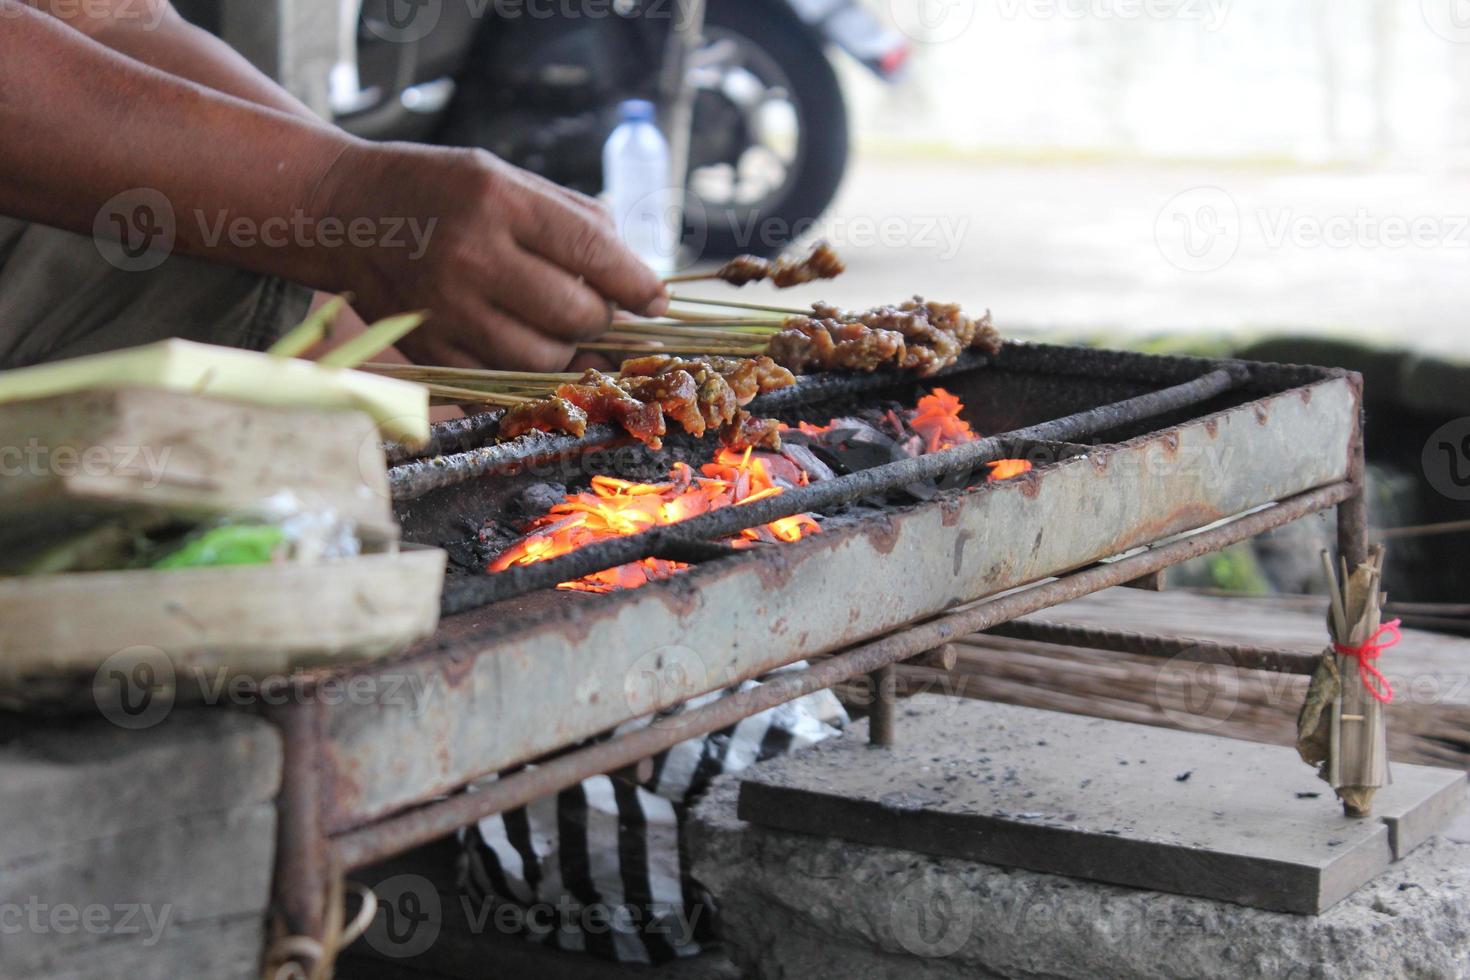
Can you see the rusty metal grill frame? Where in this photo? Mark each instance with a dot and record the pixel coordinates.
(320, 839)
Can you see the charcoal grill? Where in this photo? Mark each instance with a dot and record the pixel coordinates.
(1142, 462)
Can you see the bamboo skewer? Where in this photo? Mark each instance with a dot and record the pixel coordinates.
(691, 277)
(480, 397)
(482, 373)
(735, 305)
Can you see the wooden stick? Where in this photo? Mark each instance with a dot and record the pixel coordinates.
(691, 277)
(676, 348)
(486, 374)
(788, 310)
(675, 330)
(469, 395)
(713, 319)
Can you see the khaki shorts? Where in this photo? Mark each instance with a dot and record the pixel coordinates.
(59, 298)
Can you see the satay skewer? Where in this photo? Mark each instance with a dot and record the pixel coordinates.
(735, 305)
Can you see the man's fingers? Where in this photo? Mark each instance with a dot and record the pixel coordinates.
(502, 341)
(552, 301)
(563, 234)
(591, 205)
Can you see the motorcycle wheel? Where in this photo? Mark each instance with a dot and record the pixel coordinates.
(770, 136)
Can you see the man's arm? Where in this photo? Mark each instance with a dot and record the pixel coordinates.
(152, 32)
(514, 270)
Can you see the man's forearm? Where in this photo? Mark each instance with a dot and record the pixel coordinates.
(84, 124)
(152, 32)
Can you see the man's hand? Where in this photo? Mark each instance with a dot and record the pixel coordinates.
(515, 270)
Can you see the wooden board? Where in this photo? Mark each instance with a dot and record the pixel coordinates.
(1176, 812)
(1428, 723)
(165, 453)
(196, 624)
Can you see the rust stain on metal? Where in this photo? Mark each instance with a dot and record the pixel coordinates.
(950, 509)
(959, 550)
(1170, 442)
(1193, 515)
(773, 568)
(1212, 427)
(882, 533)
(1262, 416)
(1030, 484)
(681, 596)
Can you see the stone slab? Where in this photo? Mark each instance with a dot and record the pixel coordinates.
(794, 905)
(70, 781)
(1178, 812)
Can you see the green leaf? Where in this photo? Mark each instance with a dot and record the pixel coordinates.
(373, 341)
(233, 544)
(313, 330)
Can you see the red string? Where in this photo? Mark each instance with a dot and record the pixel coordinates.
(1372, 648)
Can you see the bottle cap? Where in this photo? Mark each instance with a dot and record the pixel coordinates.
(636, 110)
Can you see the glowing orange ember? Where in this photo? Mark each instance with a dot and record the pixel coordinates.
(1005, 469)
(938, 420)
(613, 508)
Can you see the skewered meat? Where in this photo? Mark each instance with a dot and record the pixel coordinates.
(545, 415)
(746, 431)
(821, 263)
(747, 376)
(979, 334)
(675, 391)
(744, 269)
(694, 393)
(930, 338)
(603, 400)
(831, 345)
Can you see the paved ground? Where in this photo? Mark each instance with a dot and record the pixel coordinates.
(1147, 249)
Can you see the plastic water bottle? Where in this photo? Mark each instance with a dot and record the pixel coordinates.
(635, 168)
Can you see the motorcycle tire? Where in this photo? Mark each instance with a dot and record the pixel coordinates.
(717, 232)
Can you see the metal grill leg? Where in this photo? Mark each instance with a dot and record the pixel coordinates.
(885, 697)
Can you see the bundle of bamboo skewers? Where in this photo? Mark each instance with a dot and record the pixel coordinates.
(677, 332)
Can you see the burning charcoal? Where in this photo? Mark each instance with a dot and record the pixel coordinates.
(804, 459)
(537, 499)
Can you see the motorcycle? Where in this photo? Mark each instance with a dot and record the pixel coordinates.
(746, 91)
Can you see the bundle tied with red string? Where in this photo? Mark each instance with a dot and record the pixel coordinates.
(1341, 728)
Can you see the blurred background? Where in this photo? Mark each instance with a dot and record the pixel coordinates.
(1280, 181)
